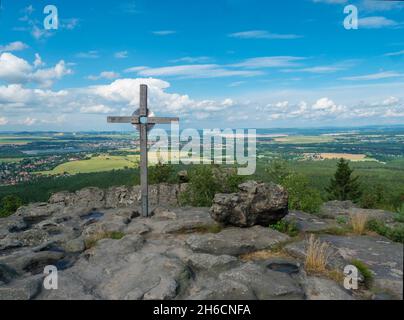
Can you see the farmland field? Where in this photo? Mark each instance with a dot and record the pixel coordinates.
(304, 139)
(96, 164)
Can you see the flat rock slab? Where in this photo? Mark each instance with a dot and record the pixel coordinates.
(236, 241)
(306, 222)
(383, 257)
(248, 281)
(324, 289)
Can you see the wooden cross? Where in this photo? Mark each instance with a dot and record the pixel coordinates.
(144, 123)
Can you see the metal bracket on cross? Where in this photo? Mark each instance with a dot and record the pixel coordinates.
(144, 122)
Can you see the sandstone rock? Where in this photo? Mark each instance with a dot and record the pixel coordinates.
(22, 289)
(136, 227)
(37, 212)
(306, 222)
(332, 209)
(235, 241)
(383, 257)
(75, 246)
(255, 204)
(266, 284)
(211, 263)
(324, 289)
(224, 290)
(162, 213)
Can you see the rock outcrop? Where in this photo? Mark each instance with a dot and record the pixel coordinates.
(255, 204)
(103, 249)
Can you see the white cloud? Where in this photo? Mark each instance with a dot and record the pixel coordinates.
(397, 53)
(100, 108)
(14, 46)
(121, 54)
(93, 54)
(196, 71)
(376, 22)
(38, 61)
(28, 121)
(375, 76)
(104, 75)
(135, 69)
(191, 60)
(163, 32)
(16, 70)
(269, 62)
(3, 121)
(262, 34)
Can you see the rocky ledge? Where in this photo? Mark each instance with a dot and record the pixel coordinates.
(103, 249)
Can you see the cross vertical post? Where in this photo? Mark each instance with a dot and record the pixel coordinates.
(140, 118)
(143, 113)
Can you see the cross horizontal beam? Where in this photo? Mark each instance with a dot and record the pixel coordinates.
(137, 120)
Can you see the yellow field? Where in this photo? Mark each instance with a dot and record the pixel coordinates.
(304, 139)
(346, 156)
(96, 164)
(107, 163)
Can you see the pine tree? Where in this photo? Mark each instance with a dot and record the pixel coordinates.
(344, 186)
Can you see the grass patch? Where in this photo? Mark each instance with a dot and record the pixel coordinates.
(92, 241)
(365, 271)
(359, 223)
(395, 234)
(317, 255)
(288, 227)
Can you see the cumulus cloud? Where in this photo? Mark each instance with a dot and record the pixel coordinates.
(104, 75)
(100, 108)
(14, 46)
(16, 70)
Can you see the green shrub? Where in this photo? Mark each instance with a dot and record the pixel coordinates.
(399, 216)
(365, 271)
(160, 173)
(342, 220)
(395, 234)
(373, 198)
(288, 227)
(9, 204)
(207, 180)
(301, 195)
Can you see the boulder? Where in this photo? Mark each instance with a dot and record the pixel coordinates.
(255, 204)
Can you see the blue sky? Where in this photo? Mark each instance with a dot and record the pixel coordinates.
(223, 63)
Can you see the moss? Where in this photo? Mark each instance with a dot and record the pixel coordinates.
(365, 271)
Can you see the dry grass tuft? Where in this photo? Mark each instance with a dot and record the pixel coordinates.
(359, 222)
(317, 255)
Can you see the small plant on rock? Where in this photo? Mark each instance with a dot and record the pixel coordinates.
(317, 255)
(359, 222)
(288, 227)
